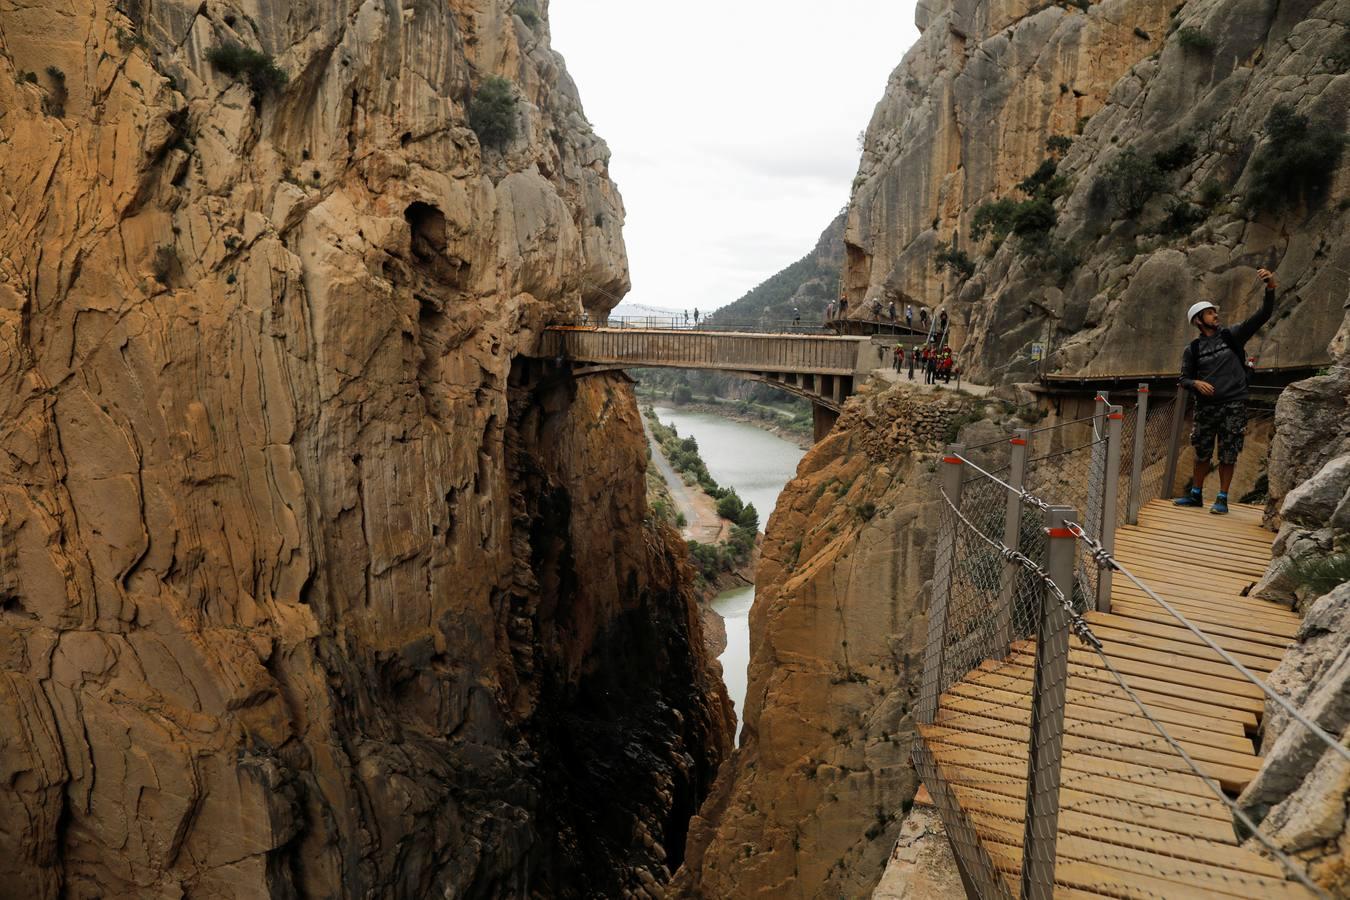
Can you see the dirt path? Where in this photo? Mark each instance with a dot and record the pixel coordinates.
(702, 523)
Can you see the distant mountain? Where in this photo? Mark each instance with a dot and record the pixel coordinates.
(628, 309)
(806, 285)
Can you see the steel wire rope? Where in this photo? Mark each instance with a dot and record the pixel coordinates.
(1241, 816)
(1103, 558)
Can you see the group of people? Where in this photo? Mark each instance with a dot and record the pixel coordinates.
(933, 362)
(889, 312)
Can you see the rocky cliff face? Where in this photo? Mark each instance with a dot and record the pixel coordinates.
(813, 800)
(1101, 273)
(309, 582)
(1299, 796)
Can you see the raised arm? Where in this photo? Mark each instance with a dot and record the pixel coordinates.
(1244, 330)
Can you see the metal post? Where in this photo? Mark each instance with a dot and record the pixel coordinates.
(1096, 477)
(1174, 442)
(953, 468)
(1137, 459)
(1110, 498)
(1012, 533)
(1050, 679)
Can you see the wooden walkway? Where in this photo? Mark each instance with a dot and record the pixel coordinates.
(1135, 820)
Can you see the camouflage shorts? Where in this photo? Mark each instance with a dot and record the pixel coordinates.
(1226, 422)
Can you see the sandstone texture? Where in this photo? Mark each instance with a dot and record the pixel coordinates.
(813, 802)
(967, 116)
(310, 583)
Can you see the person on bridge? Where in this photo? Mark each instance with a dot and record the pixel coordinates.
(1214, 368)
(923, 318)
(909, 315)
(829, 310)
(843, 307)
(796, 316)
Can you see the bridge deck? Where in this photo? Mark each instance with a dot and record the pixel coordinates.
(1135, 820)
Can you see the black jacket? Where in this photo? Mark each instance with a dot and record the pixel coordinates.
(1213, 358)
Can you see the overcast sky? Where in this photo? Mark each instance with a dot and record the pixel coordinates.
(733, 126)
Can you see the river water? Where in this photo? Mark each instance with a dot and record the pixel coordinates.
(757, 464)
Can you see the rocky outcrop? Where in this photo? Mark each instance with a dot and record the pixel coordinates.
(1299, 796)
(310, 584)
(813, 801)
(970, 113)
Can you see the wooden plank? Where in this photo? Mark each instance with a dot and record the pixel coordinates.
(1232, 770)
(1210, 623)
(1136, 773)
(1160, 576)
(1195, 651)
(1097, 680)
(1192, 816)
(1259, 616)
(1118, 648)
(1228, 690)
(1123, 872)
(1150, 841)
(1281, 632)
(1016, 679)
(1178, 547)
(1175, 633)
(1011, 707)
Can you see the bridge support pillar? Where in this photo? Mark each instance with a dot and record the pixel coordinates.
(823, 419)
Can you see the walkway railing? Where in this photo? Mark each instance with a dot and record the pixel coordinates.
(1025, 552)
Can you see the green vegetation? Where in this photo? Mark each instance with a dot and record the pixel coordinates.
(1296, 163)
(993, 219)
(1211, 192)
(1182, 217)
(1180, 154)
(1338, 60)
(1131, 181)
(1318, 573)
(257, 68)
(950, 258)
(1032, 220)
(492, 113)
(1196, 40)
(1059, 143)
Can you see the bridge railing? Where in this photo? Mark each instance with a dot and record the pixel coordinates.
(1013, 565)
(679, 323)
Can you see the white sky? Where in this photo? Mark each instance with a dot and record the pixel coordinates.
(733, 126)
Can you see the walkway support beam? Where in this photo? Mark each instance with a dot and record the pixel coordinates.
(1169, 488)
(1137, 455)
(1012, 538)
(1050, 680)
(953, 468)
(1110, 501)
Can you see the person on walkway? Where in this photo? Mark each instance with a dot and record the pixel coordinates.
(686, 317)
(909, 315)
(890, 310)
(942, 320)
(929, 366)
(899, 352)
(1214, 368)
(913, 351)
(843, 307)
(923, 317)
(695, 315)
(945, 365)
(796, 316)
(829, 310)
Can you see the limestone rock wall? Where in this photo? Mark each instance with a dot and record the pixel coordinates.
(814, 798)
(309, 584)
(968, 113)
(1299, 794)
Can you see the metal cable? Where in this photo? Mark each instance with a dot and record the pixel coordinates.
(1211, 784)
(1105, 559)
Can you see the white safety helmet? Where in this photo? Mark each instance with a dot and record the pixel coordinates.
(1197, 308)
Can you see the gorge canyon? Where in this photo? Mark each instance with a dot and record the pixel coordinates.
(317, 581)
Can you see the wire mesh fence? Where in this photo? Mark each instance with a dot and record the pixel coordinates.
(1062, 768)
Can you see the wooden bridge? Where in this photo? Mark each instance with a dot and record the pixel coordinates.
(820, 368)
(1135, 819)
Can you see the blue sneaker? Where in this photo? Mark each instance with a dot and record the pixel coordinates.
(1220, 506)
(1194, 498)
